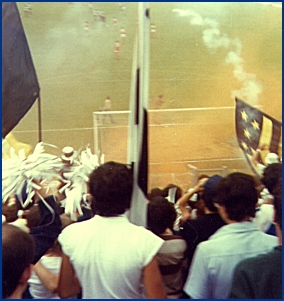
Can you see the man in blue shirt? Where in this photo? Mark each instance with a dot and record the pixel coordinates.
(214, 261)
(260, 277)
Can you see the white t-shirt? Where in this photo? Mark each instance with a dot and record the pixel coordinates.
(264, 217)
(36, 288)
(108, 255)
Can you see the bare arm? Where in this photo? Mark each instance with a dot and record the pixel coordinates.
(49, 280)
(184, 199)
(181, 202)
(153, 281)
(68, 283)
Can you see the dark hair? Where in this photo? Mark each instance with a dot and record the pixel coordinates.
(178, 194)
(209, 192)
(154, 193)
(237, 193)
(272, 173)
(10, 211)
(111, 186)
(160, 215)
(277, 192)
(17, 254)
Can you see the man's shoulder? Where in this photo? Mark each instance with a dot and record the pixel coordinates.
(196, 221)
(261, 260)
(204, 223)
(76, 227)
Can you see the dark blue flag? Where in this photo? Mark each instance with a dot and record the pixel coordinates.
(20, 87)
(255, 129)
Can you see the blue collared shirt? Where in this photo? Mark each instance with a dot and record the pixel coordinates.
(214, 260)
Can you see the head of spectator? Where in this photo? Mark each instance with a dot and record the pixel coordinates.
(161, 215)
(271, 158)
(272, 173)
(236, 197)
(10, 209)
(111, 186)
(209, 192)
(17, 255)
(166, 192)
(154, 193)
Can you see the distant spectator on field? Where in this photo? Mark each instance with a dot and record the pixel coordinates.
(107, 256)
(171, 257)
(153, 31)
(102, 17)
(17, 255)
(261, 277)
(117, 50)
(95, 15)
(158, 102)
(114, 22)
(107, 108)
(214, 260)
(26, 10)
(86, 27)
(122, 34)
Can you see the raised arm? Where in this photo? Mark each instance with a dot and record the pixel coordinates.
(185, 198)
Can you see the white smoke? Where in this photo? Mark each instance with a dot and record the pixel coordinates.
(213, 39)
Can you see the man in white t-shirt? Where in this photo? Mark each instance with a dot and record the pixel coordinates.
(107, 256)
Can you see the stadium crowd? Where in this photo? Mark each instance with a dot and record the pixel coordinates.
(220, 239)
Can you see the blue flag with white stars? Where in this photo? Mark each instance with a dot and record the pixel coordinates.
(255, 129)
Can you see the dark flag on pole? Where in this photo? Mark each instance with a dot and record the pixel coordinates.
(255, 129)
(20, 87)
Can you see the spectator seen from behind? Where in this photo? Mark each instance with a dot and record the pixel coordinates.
(261, 277)
(161, 216)
(107, 256)
(197, 230)
(214, 261)
(265, 212)
(17, 255)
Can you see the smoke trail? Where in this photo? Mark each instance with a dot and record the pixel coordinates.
(213, 40)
